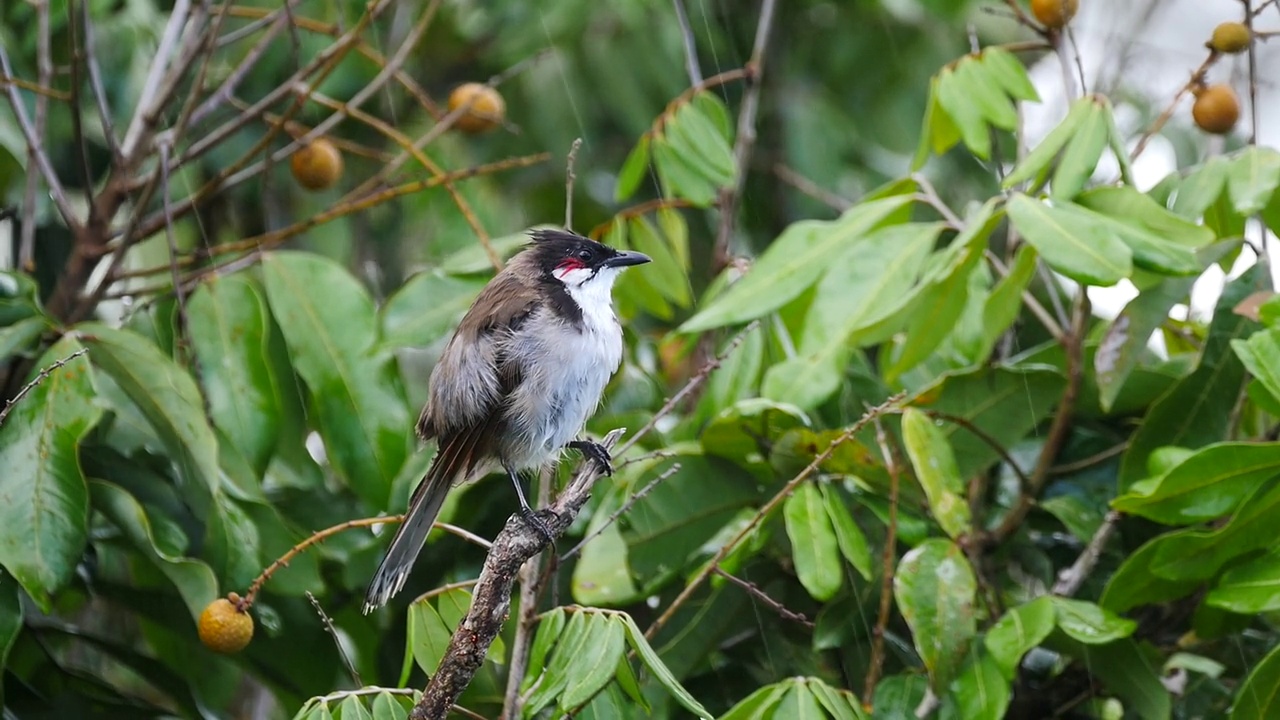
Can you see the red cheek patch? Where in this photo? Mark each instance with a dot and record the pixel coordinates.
(567, 266)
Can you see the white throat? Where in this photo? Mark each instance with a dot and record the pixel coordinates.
(593, 293)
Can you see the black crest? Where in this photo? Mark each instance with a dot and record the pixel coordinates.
(553, 247)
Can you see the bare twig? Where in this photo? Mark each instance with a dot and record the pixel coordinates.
(99, 91)
(755, 591)
(533, 577)
(283, 561)
(150, 100)
(333, 633)
(690, 45)
(35, 146)
(1047, 320)
(569, 178)
(44, 65)
(1253, 73)
(886, 575)
(613, 517)
(929, 195)
(1060, 428)
(698, 378)
(746, 136)
(1070, 580)
(985, 437)
(1197, 78)
(45, 373)
(696, 581)
(1082, 463)
(178, 293)
(491, 599)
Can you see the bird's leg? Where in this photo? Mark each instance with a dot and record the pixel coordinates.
(596, 452)
(526, 511)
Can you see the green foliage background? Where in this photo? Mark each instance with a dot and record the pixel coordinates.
(184, 449)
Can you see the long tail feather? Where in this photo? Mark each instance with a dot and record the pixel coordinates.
(454, 458)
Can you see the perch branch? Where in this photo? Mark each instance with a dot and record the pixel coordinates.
(1070, 580)
(491, 598)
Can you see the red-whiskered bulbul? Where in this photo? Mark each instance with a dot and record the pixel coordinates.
(516, 383)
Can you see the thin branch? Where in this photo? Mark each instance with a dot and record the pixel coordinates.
(698, 378)
(45, 373)
(1197, 78)
(491, 599)
(1047, 320)
(985, 437)
(533, 578)
(1070, 580)
(1083, 463)
(690, 45)
(283, 561)
(810, 188)
(333, 633)
(99, 91)
(746, 136)
(149, 100)
(1253, 73)
(755, 591)
(44, 65)
(179, 295)
(569, 179)
(613, 517)
(36, 146)
(1060, 428)
(886, 575)
(696, 581)
(929, 195)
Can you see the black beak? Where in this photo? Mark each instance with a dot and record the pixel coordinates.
(625, 258)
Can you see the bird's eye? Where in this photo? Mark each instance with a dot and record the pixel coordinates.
(584, 255)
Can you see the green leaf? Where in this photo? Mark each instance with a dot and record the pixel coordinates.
(1261, 357)
(799, 703)
(988, 95)
(1009, 72)
(550, 627)
(853, 544)
(228, 329)
(1127, 205)
(1197, 410)
(791, 264)
(1253, 177)
(955, 95)
(356, 399)
(758, 705)
(813, 542)
(385, 707)
(898, 696)
(628, 683)
(1005, 403)
(667, 275)
(19, 297)
(428, 635)
(10, 619)
(696, 137)
(936, 590)
(353, 709)
(1125, 341)
(679, 178)
(20, 336)
(635, 638)
(1018, 630)
(1130, 671)
(980, 691)
(1037, 162)
(1004, 304)
(1150, 251)
(1082, 250)
(168, 398)
(1259, 696)
(426, 308)
(1249, 588)
(44, 517)
(597, 665)
(939, 132)
(1201, 188)
(1200, 554)
(473, 259)
(675, 231)
(1089, 623)
(1207, 484)
(192, 578)
(602, 576)
(633, 170)
(583, 628)
(1134, 583)
(1082, 153)
(935, 467)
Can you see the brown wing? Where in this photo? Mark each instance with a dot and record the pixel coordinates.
(470, 381)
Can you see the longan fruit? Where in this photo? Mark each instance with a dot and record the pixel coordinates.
(1054, 14)
(1230, 38)
(1216, 109)
(223, 627)
(486, 112)
(317, 166)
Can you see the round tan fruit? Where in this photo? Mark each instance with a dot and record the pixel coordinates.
(1216, 109)
(1054, 14)
(1230, 38)
(486, 111)
(317, 166)
(223, 628)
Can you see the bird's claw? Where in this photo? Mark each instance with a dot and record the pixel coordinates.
(537, 523)
(596, 453)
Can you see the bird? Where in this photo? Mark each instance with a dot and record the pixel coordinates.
(516, 383)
